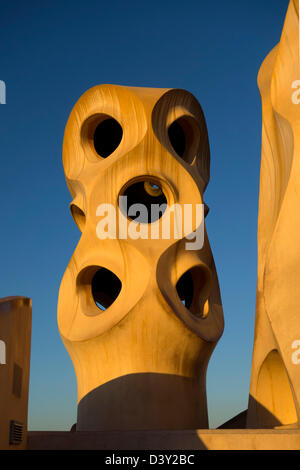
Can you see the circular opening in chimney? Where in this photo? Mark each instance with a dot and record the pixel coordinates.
(143, 200)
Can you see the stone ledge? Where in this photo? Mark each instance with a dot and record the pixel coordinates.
(202, 439)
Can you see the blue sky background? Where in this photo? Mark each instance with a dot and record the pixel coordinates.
(51, 52)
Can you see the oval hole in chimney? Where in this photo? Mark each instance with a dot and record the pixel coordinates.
(177, 138)
(106, 287)
(193, 289)
(107, 137)
(184, 136)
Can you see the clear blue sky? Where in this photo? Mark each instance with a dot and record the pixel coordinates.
(51, 52)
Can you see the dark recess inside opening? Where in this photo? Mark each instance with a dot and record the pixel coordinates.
(107, 137)
(106, 287)
(185, 289)
(177, 138)
(146, 193)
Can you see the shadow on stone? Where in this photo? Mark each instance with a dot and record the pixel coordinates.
(144, 401)
(256, 417)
